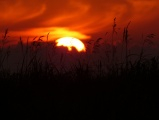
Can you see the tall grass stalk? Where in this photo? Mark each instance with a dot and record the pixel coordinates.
(113, 50)
(4, 52)
(125, 39)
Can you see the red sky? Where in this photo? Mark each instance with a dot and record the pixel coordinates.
(77, 18)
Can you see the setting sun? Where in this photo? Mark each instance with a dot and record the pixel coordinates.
(70, 42)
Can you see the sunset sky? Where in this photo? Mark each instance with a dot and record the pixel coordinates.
(82, 19)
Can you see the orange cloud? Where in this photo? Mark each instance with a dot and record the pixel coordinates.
(15, 11)
(54, 33)
(81, 18)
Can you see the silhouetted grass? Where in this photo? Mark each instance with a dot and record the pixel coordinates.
(40, 89)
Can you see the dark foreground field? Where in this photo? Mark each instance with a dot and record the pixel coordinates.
(113, 91)
(76, 95)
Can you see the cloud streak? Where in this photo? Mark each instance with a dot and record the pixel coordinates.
(84, 17)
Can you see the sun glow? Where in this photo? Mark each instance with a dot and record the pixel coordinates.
(70, 42)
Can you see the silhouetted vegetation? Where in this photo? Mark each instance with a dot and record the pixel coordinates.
(107, 89)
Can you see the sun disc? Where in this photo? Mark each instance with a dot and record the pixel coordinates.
(70, 42)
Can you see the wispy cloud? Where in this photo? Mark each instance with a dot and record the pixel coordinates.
(84, 16)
